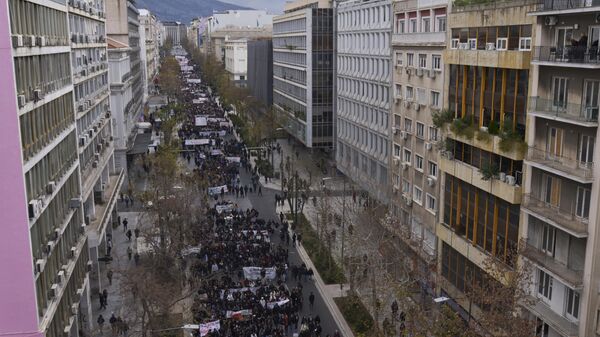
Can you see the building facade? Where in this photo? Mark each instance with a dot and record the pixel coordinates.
(214, 42)
(364, 76)
(260, 70)
(236, 60)
(303, 72)
(248, 18)
(173, 31)
(481, 165)
(559, 217)
(418, 42)
(149, 52)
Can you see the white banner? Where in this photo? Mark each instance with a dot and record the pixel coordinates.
(216, 152)
(201, 121)
(238, 314)
(217, 189)
(208, 327)
(216, 119)
(224, 208)
(193, 142)
(224, 124)
(194, 80)
(272, 305)
(221, 133)
(233, 159)
(199, 100)
(253, 273)
(239, 290)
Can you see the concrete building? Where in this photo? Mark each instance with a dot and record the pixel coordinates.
(236, 60)
(303, 71)
(149, 50)
(364, 76)
(214, 42)
(418, 42)
(260, 70)
(247, 18)
(559, 218)
(487, 84)
(173, 30)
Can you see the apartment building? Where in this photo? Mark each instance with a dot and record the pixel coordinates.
(559, 216)
(174, 30)
(303, 72)
(260, 70)
(149, 52)
(100, 179)
(486, 87)
(214, 42)
(418, 42)
(45, 286)
(364, 77)
(236, 60)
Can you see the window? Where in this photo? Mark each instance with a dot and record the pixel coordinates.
(545, 285)
(435, 99)
(410, 60)
(418, 163)
(455, 43)
(430, 202)
(398, 92)
(418, 195)
(432, 169)
(548, 239)
(397, 150)
(525, 43)
(582, 208)
(405, 186)
(399, 59)
(420, 130)
(422, 61)
(413, 25)
(436, 61)
(441, 23)
(425, 24)
(501, 43)
(410, 94)
(472, 44)
(407, 156)
(572, 303)
(433, 133)
(401, 26)
(408, 125)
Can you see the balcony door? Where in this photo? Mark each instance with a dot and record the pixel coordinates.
(551, 190)
(555, 142)
(564, 37)
(560, 93)
(582, 208)
(591, 93)
(586, 151)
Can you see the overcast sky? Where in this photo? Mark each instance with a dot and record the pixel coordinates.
(273, 6)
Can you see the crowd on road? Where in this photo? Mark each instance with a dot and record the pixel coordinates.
(241, 266)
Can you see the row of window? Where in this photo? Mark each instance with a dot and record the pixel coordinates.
(289, 105)
(377, 43)
(289, 58)
(517, 37)
(290, 89)
(419, 129)
(419, 162)
(28, 18)
(362, 113)
(417, 194)
(43, 124)
(425, 21)
(375, 170)
(365, 67)
(422, 61)
(362, 90)
(371, 17)
(81, 25)
(479, 158)
(290, 42)
(82, 58)
(46, 73)
(419, 95)
(90, 88)
(297, 25)
(368, 140)
(546, 289)
(99, 110)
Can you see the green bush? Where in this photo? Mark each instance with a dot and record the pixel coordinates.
(494, 128)
(489, 171)
(355, 314)
(264, 167)
(463, 127)
(442, 118)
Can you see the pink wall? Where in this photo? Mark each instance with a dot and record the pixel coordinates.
(18, 313)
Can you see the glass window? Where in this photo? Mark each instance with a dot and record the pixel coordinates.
(435, 99)
(572, 303)
(432, 169)
(436, 62)
(420, 130)
(408, 125)
(431, 202)
(422, 61)
(441, 23)
(433, 133)
(399, 59)
(407, 156)
(545, 282)
(418, 163)
(410, 94)
(418, 195)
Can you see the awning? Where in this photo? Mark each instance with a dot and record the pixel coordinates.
(142, 140)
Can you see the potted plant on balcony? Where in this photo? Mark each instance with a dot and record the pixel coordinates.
(489, 171)
(441, 118)
(463, 127)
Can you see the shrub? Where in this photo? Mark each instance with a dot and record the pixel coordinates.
(484, 136)
(494, 128)
(463, 127)
(489, 171)
(442, 118)
(356, 315)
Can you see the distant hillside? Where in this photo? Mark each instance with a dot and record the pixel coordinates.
(183, 10)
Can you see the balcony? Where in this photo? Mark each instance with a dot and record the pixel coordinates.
(573, 168)
(546, 7)
(555, 215)
(104, 208)
(513, 59)
(564, 112)
(568, 56)
(419, 39)
(480, 5)
(557, 322)
(472, 176)
(569, 276)
(492, 145)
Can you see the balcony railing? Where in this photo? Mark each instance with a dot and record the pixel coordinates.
(571, 111)
(571, 276)
(557, 5)
(567, 54)
(477, 5)
(568, 165)
(565, 218)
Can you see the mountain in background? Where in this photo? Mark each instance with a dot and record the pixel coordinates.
(184, 10)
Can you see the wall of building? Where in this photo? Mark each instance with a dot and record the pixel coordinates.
(260, 70)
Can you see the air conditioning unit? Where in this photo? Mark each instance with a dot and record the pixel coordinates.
(407, 104)
(49, 246)
(95, 128)
(408, 201)
(38, 95)
(111, 138)
(417, 106)
(50, 187)
(34, 208)
(74, 309)
(551, 20)
(21, 100)
(403, 134)
(72, 252)
(53, 291)
(60, 277)
(30, 40)
(17, 41)
(89, 266)
(394, 130)
(97, 156)
(39, 265)
(420, 72)
(432, 73)
(483, 129)
(430, 181)
(99, 147)
(428, 146)
(82, 228)
(40, 41)
(490, 46)
(511, 180)
(395, 161)
(75, 203)
(405, 166)
(95, 164)
(80, 108)
(85, 105)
